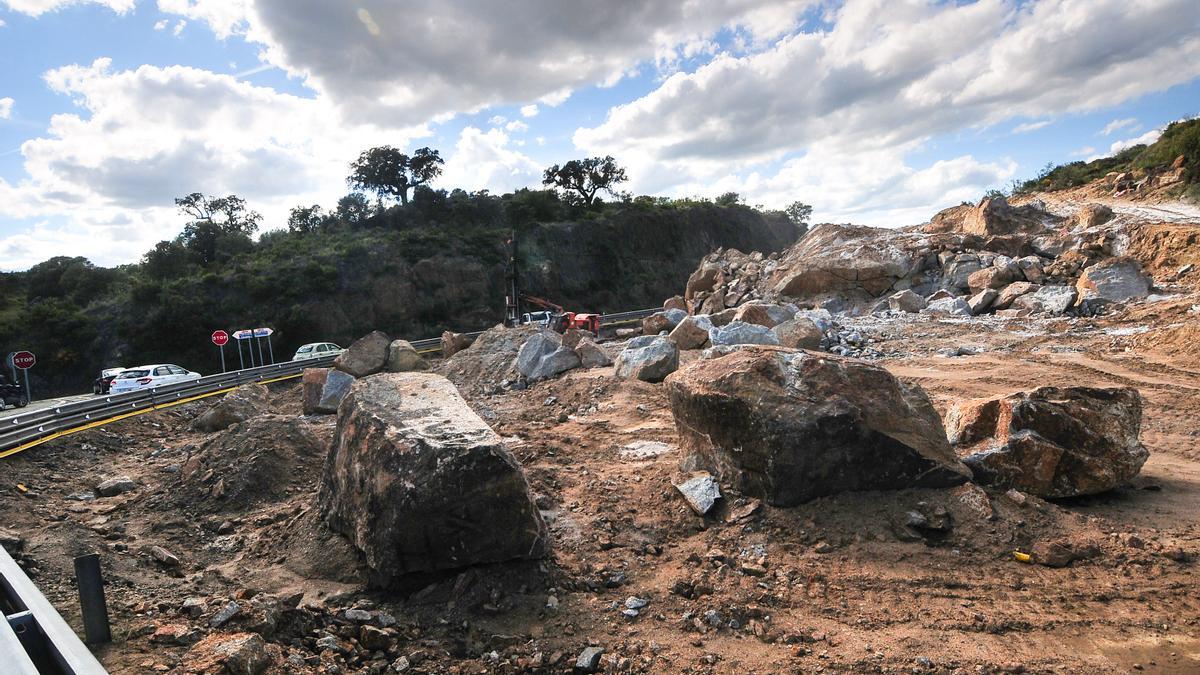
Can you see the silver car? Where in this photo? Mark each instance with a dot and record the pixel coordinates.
(316, 350)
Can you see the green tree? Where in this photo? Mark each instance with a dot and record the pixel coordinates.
(388, 172)
(306, 219)
(221, 226)
(798, 213)
(729, 199)
(586, 177)
(353, 208)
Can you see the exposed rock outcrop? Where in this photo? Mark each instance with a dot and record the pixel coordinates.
(1052, 442)
(1113, 280)
(791, 426)
(489, 361)
(418, 483)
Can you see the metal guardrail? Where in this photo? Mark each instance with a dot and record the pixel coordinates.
(22, 431)
(34, 638)
(18, 432)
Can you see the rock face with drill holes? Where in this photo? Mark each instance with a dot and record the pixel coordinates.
(418, 482)
(1052, 441)
(790, 426)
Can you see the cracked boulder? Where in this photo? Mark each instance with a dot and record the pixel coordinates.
(544, 355)
(1052, 442)
(649, 358)
(417, 482)
(790, 426)
(367, 356)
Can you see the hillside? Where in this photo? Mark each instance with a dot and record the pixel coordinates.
(412, 271)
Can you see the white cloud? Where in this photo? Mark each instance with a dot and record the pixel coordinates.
(382, 60)
(482, 159)
(2, 24)
(530, 110)
(179, 28)
(143, 137)
(1027, 127)
(40, 7)
(6, 106)
(1084, 151)
(160, 24)
(876, 83)
(1117, 125)
(516, 126)
(1145, 139)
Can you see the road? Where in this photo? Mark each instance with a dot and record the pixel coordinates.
(48, 403)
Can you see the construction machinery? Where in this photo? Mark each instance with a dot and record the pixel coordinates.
(552, 315)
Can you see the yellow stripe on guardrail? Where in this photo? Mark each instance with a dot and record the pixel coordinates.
(109, 420)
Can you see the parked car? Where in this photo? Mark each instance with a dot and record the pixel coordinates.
(104, 382)
(155, 375)
(316, 350)
(12, 394)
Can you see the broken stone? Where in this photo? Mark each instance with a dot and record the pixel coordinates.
(741, 333)
(1052, 442)
(763, 314)
(982, 301)
(1113, 280)
(239, 653)
(701, 493)
(164, 556)
(366, 356)
(592, 355)
(692, 332)
(990, 277)
(1054, 553)
(665, 320)
(589, 660)
(403, 357)
(644, 449)
(1013, 291)
(237, 406)
(975, 499)
(793, 426)
(453, 343)
(950, 306)
(648, 358)
(571, 337)
(544, 356)
(798, 333)
(115, 486)
(418, 482)
(1049, 299)
(194, 607)
(906, 301)
(226, 613)
(675, 302)
(312, 382)
(337, 385)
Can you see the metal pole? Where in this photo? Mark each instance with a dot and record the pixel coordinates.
(91, 599)
(222, 348)
(241, 363)
(270, 350)
(28, 391)
(250, 350)
(258, 341)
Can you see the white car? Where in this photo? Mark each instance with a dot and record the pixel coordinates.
(155, 375)
(316, 350)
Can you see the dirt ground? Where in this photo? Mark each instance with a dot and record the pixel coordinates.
(834, 585)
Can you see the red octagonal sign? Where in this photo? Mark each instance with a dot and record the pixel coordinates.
(220, 338)
(24, 360)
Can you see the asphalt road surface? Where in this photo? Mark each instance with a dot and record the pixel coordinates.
(9, 411)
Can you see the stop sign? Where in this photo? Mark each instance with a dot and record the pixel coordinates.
(220, 338)
(24, 360)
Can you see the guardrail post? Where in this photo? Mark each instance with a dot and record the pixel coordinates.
(91, 599)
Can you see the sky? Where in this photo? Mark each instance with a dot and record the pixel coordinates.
(877, 112)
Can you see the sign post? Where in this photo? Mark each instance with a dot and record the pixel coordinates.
(25, 360)
(220, 338)
(254, 337)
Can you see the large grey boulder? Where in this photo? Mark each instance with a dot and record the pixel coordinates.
(982, 301)
(1052, 442)
(238, 405)
(649, 358)
(337, 385)
(1049, 299)
(692, 332)
(418, 483)
(958, 270)
(949, 306)
(791, 426)
(367, 356)
(543, 356)
(1113, 280)
(740, 333)
(403, 357)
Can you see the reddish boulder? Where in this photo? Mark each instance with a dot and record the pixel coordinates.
(790, 426)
